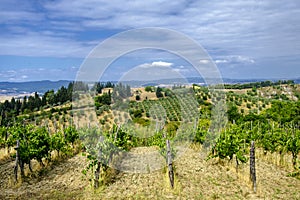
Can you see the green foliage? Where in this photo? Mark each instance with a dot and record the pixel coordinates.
(121, 92)
(293, 145)
(104, 99)
(136, 113)
(174, 109)
(248, 105)
(202, 130)
(71, 134)
(39, 144)
(159, 93)
(149, 89)
(230, 143)
(137, 97)
(168, 92)
(3, 136)
(257, 84)
(36, 142)
(269, 142)
(9, 110)
(274, 129)
(58, 142)
(284, 111)
(78, 86)
(142, 121)
(98, 86)
(233, 112)
(172, 127)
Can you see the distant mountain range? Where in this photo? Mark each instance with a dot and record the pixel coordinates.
(198, 80)
(17, 88)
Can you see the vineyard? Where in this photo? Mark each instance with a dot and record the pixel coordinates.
(171, 140)
(176, 109)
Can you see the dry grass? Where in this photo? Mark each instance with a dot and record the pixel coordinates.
(143, 94)
(195, 178)
(237, 91)
(5, 154)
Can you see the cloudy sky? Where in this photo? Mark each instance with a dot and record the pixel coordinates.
(43, 39)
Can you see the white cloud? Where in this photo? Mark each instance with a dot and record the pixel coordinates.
(235, 59)
(254, 27)
(244, 59)
(21, 74)
(34, 44)
(158, 70)
(221, 61)
(156, 64)
(204, 61)
(184, 71)
(161, 64)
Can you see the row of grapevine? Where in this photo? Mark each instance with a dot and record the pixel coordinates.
(103, 146)
(273, 137)
(36, 142)
(175, 109)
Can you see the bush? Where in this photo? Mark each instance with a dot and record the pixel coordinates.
(248, 105)
(149, 89)
(136, 113)
(159, 93)
(137, 97)
(71, 134)
(142, 121)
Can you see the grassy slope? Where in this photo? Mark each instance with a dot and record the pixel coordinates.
(195, 179)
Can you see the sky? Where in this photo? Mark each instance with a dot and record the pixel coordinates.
(246, 39)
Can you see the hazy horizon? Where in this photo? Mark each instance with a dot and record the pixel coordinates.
(225, 78)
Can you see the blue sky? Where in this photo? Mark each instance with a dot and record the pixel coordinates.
(43, 39)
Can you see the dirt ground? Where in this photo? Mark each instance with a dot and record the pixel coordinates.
(195, 178)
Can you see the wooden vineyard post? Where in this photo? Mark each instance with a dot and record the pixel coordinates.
(7, 146)
(169, 163)
(97, 171)
(17, 161)
(116, 135)
(252, 166)
(115, 140)
(54, 126)
(195, 124)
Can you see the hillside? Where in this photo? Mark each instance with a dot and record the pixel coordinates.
(195, 179)
(64, 143)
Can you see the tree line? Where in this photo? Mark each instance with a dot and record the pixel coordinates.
(258, 84)
(10, 109)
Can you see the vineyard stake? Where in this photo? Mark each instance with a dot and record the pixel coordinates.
(97, 171)
(169, 162)
(17, 161)
(116, 135)
(252, 166)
